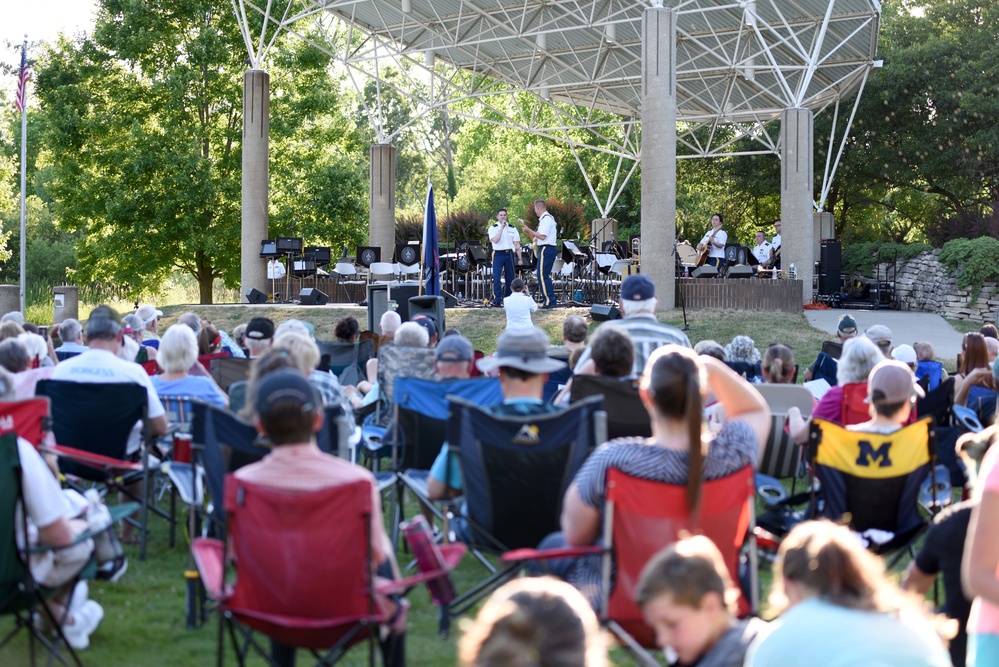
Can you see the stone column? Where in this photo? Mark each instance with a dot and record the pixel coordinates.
(256, 138)
(659, 150)
(601, 231)
(381, 215)
(66, 303)
(10, 299)
(796, 207)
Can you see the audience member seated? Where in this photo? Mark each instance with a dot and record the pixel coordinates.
(70, 332)
(743, 357)
(841, 609)
(453, 358)
(523, 363)
(15, 358)
(688, 598)
(892, 390)
(989, 331)
(519, 306)
(134, 330)
(178, 350)
(210, 342)
(927, 365)
(942, 551)
(673, 389)
(239, 337)
(845, 330)
(151, 318)
(980, 564)
(907, 355)
(777, 366)
(574, 332)
(843, 404)
(530, 622)
(992, 345)
(711, 348)
(288, 411)
(347, 330)
(638, 305)
(306, 354)
(38, 349)
(975, 380)
(387, 326)
(880, 335)
(259, 336)
(10, 329)
(612, 355)
(13, 316)
(428, 323)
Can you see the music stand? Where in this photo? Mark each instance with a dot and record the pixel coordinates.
(291, 246)
(268, 251)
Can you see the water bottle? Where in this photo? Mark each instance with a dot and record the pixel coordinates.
(792, 274)
(429, 558)
(461, 297)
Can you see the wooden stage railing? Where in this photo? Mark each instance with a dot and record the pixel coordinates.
(741, 293)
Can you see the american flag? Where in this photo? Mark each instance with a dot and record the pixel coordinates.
(22, 81)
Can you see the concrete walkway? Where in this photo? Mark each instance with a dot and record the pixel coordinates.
(906, 327)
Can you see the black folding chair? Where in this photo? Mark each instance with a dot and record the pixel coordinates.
(515, 471)
(626, 414)
(92, 424)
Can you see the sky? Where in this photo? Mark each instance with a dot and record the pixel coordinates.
(41, 20)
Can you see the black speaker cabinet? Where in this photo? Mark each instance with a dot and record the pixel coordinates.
(377, 304)
(705, 271)
(401, 293)
(739, 271)
(601, 313)
(255, 296)
(830, 267)
(429, 305)
(309, 296)
(368, 255)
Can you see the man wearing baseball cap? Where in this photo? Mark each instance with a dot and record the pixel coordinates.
(845, 330)
(259, 336)
(523, 363)
(892, 390)
(289, 413)
(453, 358)
(638, 305)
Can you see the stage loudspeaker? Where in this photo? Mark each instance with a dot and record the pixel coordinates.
(601, 313)
(477, 254)
(401, 293)
(704, 272)
(739, 271)
(256, 296)
(429, 305)
(309, 296)
(830, 267)
(450, 301)
(377, 305)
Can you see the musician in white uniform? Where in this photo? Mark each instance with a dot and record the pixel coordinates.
(715, 240)
(775, 242)
(506, 241)
(761, 251)
(547, 238)
(275, 269)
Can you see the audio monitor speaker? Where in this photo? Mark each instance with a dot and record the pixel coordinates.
(256, 296)
(601, 313)
(429, 305)
(739, 271)
(704, 272)
(309, 296)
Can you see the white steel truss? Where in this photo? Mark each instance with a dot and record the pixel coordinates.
(739, 64)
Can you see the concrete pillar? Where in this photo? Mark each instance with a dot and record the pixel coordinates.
(602, 230)
(659, 150)
(381, 215)
(256, 139)
(10, 299)
(66, 303)
(796, 207)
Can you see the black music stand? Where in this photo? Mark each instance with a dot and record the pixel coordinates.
(268, 251)
(291, 246)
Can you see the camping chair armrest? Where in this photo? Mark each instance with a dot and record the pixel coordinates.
(550, 554)
(118, 512)
(765, 539)
(452, 554)
(115, 466)
(208, 557)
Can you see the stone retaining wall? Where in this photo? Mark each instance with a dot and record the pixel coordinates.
(923, 284)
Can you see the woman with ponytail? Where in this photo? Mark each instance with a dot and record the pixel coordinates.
(680, 451)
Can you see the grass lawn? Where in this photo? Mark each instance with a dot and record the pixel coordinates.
(144, 612)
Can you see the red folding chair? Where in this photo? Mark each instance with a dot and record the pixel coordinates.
(641, 518)
(304, 571)
(28, 418)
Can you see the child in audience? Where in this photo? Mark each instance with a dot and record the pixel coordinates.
(534, 622)
(688, 598)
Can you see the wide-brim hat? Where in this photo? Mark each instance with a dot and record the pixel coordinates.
(523, 349)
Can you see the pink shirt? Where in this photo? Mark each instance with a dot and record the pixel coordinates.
(985, 615)
(305, 468)
(25, 381)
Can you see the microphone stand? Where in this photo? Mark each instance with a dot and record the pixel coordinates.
(683, 301)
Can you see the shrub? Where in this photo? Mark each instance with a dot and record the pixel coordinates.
(409, 227)
(965, 225)
(463, 226)
(862, 257)
(974, 263)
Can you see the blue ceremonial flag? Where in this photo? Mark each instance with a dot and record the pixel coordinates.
(431, 253)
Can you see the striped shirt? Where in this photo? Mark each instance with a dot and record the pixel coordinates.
(648, 334)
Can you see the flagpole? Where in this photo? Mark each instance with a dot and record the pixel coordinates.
(24, 159)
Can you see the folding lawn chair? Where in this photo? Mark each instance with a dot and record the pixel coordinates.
(92, 424)
(643, 517)
(228, 370)
(28, 418)
(875, 479)
(782, 456)
(275, 591)
(20, 594)
(626, 414)
(515, 472)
